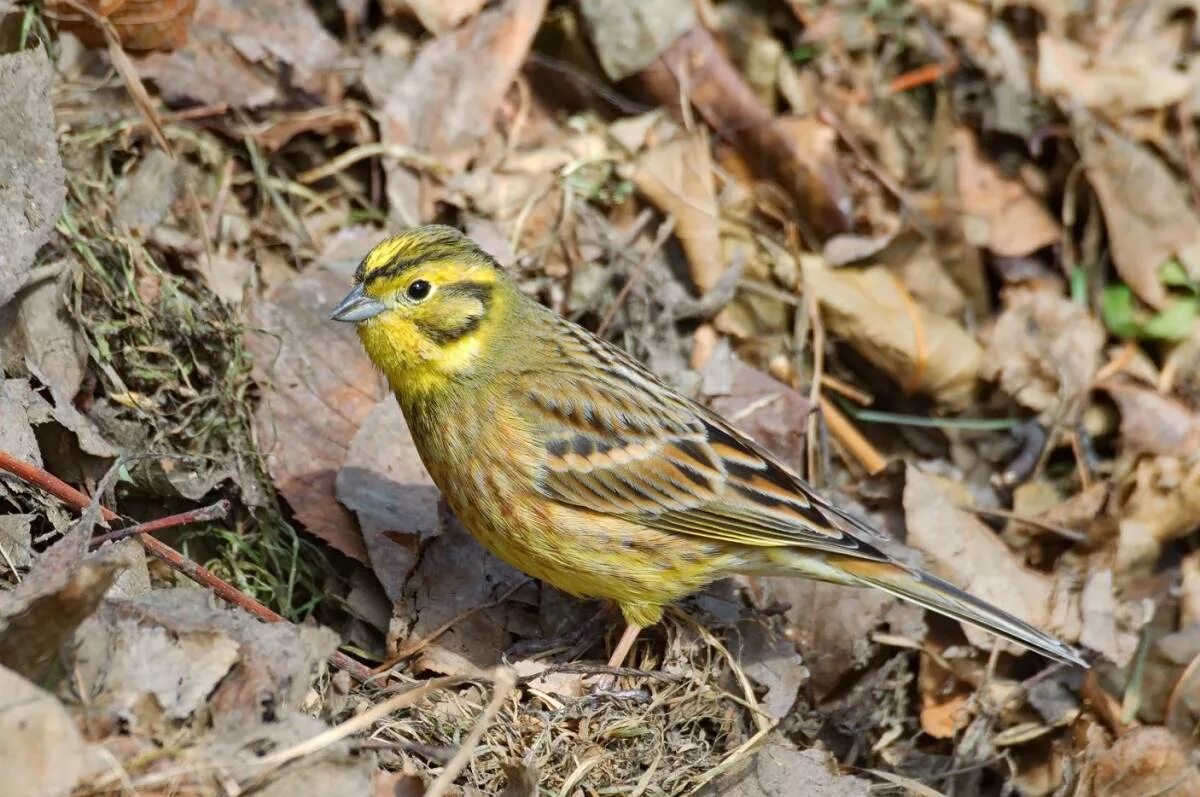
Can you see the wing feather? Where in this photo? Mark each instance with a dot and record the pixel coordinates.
(619, 442)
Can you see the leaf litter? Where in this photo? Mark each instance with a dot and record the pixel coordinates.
(870, 234)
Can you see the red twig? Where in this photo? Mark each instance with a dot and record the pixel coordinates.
(219, 509)
(177, 561)
(922, 75)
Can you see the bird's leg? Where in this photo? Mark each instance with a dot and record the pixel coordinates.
(624, 645)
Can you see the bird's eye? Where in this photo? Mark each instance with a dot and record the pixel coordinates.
(418, 290)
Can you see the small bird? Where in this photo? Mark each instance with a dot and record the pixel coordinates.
(572, 462)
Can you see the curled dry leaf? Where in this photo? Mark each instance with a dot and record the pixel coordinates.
(916, 347)
(1152, 423)
(1146, 211)
(318, 387)
(43, 752)
(33, 187)
(999, 212)
(628, 37)
(383, 482)
(678, 178)
(963, 550)
(1145, 761)
(445, 102)
(1044, 351)
(231, 42)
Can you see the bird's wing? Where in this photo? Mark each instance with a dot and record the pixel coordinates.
(618, 441)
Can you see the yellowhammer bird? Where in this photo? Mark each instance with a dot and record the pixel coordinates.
(569, 460)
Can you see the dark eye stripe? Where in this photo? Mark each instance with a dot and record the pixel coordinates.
(481, 292)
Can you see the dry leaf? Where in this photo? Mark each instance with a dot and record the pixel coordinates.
(1162, 503)
(38, 328)
(963, 550)
(16, 432)
(43, 754)
(945, 701)
(456, 576)
(1104, 629)
(1011, 221)
(781, 771)
(1044, 351)
(139, 25)
(915, 346)
(445, 102)
(1135, 77)
(1147, 214)
(1143, 762)
(772, 662)
(318, 388)
(32, 188)
(628, 37)
(239, 51)
(1152, 423)
(383, 482)
(678, 178)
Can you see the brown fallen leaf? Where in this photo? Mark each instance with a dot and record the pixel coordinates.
(37, 328)
(1142, 234)
(445, 102)
(43, 752)
(628, 37)
(458, 580)
(42, 612)
(1137, 75)
(245, 53)
(944, 700)
(1152, 423)
(916, 347)
(139, 25)
(771, 660)
(781, 771)
(1145, 761)
(678, 178)
(1107, 626)
(384, 483)
(963, 550)
(694, 66)
(318, 388)
(1161, 502)
(34, 187)
(1044, 350)
(1012, 222)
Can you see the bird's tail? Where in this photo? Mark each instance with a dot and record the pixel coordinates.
(933, 593)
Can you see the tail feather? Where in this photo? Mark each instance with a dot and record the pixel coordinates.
(931, 592)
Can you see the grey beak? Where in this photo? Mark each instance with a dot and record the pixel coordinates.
(357, 306)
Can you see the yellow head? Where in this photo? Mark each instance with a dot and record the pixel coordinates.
(424, 302)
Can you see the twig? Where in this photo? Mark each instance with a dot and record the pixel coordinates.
(34, 475)
(201, 515)
(503, 683)
(664, 232)
(922, 76)
(848, 435)
(1054, 528)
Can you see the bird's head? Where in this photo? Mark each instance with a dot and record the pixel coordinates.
(424, 302)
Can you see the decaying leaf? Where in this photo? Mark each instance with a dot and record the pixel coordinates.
(1146, 761)
(439, 16)
(771, 660)
(458, 578)
(1105, 627)
(42, 612)
(318, 388)
(383, 482)
(43, 754)
(1138, 76)
(963, 550)
(1044, 351)
(229, 43)
(781, 771)
(678, 178)
(1152, 423)
(916, 347)
(139, 25)
(1143, 233)
(33, 186)
(628, 37)
(445, 101)
(37, 328)
(1162, 504)
(999, 212)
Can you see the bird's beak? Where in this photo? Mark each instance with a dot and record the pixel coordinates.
(357, 306)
